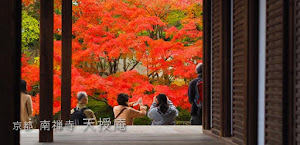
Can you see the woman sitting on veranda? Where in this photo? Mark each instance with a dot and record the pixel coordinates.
(162, 111)
(125, 110)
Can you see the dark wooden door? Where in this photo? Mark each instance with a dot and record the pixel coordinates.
(221, 68)
(276, 95)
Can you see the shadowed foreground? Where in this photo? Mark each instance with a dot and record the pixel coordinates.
(142, 135)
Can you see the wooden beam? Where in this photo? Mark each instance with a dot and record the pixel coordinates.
(10, 62)
(66, 59)
(206, 119)
(46, 68)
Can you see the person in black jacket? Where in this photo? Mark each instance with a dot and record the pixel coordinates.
(196, 112)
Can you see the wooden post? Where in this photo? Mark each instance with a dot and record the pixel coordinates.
(293, 12)
(10, 62)
(46, 68)
(226, 70)
(252, 83)
(207, 65)
(66, 59)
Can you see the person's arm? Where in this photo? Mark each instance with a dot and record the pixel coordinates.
(130, 104)
(150, 111)
(173, 107)
(90, 114)
(151, 114)
(96, 123)
(191, 92)
(170, 103)
(29, 106)
(136, 113)
(154, 104)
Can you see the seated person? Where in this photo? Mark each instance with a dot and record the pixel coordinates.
(81, 111)
(125, 111)
(162, 111)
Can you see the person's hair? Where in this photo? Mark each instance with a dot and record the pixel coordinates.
(162, 103)
(199, 68)
(123, 99)
(23, 87)
(81, 95)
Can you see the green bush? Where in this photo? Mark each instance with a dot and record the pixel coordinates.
(184, 115)
(142, 121)
(101, 109)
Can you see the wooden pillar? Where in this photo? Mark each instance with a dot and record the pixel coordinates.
(10, 62)
(46, 68)
(252, 84)
(207, 64)
(226, 70)
(66, 59)
(294, 72)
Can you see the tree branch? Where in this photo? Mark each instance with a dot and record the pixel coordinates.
(134, 65)
(100, 99)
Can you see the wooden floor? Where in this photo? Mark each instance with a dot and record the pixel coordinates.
(134, 135)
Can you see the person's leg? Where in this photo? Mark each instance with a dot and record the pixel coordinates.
(196, 121)
(200, 117)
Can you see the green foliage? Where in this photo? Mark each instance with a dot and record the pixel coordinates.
(101, 109)
(197, 10)
(30, 31)
(184, 115)
(32, 9)
(142, 121)
(174, 18)
(57, 36)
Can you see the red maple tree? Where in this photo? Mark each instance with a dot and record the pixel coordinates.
(129, 46)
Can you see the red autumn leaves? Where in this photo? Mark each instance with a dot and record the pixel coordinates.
(126, 46)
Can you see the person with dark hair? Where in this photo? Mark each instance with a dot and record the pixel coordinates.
(162, 111)
(123, 99)
(81, 111)
(26, 103)
(125, 111)
(195, 97)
